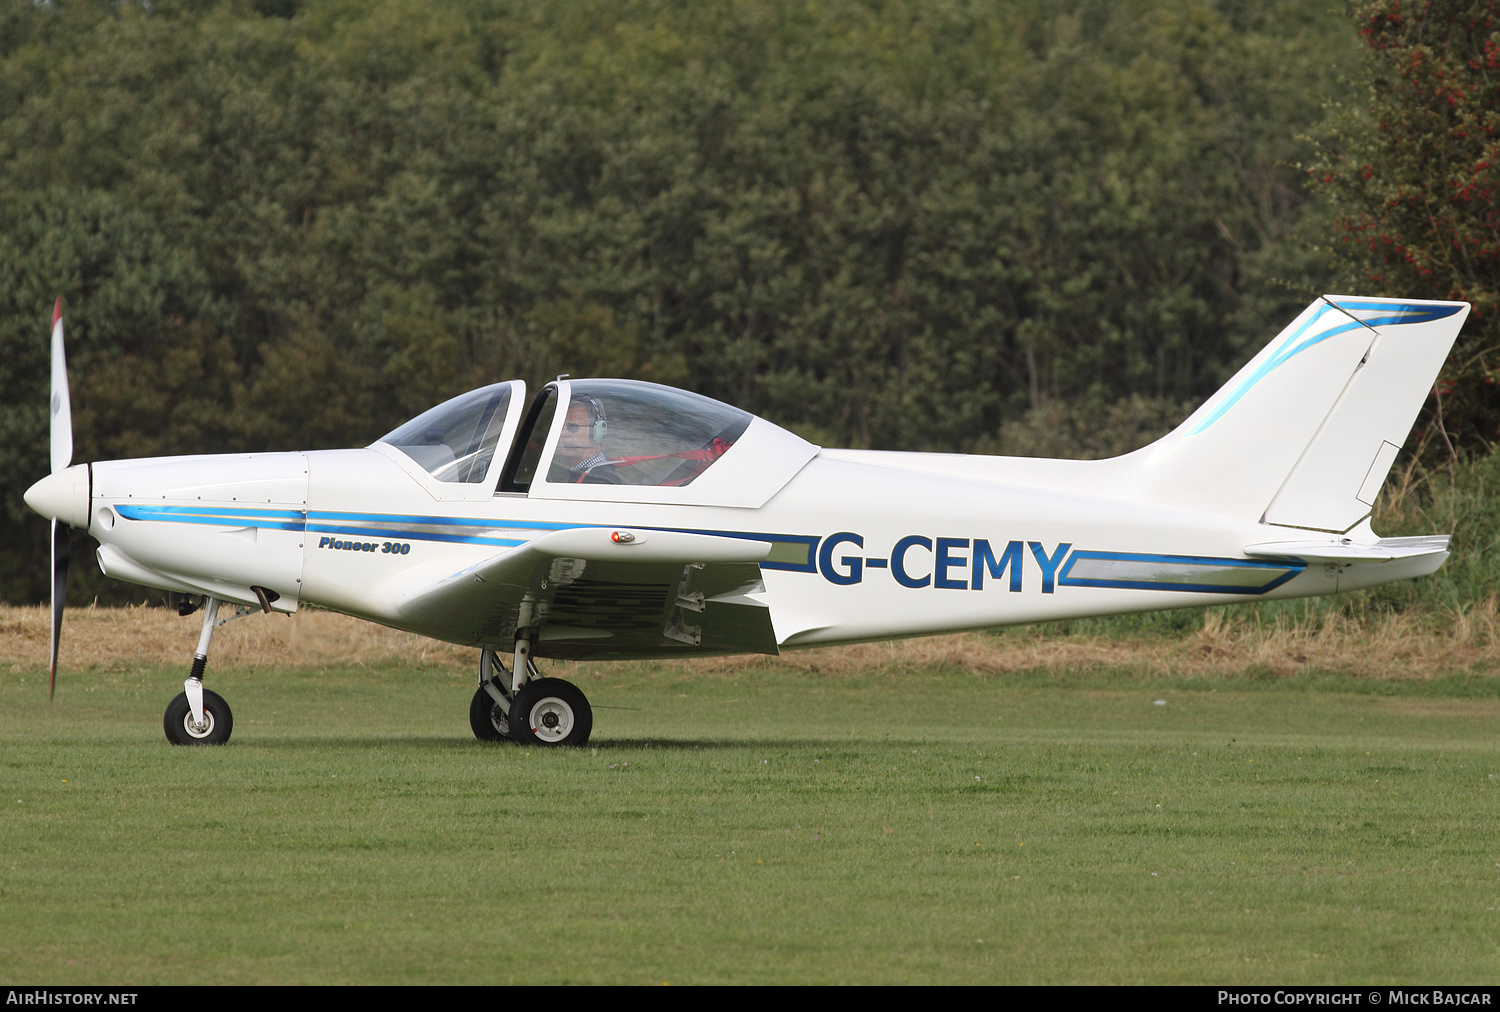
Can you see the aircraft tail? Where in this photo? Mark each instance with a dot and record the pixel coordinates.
(1305, 434)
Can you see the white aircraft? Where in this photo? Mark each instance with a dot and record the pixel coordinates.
(612, 519)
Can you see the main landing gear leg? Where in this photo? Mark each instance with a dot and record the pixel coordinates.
(545, 711)
(489, 712)
(521, 706)
(197, 716)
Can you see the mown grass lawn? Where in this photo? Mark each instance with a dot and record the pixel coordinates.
(923, 826)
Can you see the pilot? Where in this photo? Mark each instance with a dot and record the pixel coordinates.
(580, 449)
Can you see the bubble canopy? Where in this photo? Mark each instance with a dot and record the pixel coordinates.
(619, 432)
(601, 439)
(455, 441)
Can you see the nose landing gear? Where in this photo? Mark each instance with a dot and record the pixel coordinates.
(196, 716)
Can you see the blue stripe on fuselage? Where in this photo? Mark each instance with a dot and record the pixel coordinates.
(363, 525)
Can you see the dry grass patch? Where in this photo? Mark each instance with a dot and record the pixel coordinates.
(1400, 646)
(1392, 646)
(114, 638)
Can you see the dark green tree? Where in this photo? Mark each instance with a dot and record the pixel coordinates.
(898, 224)
(1411, 175)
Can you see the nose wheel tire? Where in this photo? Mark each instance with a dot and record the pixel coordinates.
(487, 719)
(550, 711)
(217, 721)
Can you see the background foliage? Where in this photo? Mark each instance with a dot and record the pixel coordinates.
(1015, 226)
(1408, 174)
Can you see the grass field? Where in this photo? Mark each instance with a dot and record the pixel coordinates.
(896, 817)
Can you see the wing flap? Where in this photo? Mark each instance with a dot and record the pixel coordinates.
(596, 592)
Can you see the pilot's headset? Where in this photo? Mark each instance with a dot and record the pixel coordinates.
(599, 427)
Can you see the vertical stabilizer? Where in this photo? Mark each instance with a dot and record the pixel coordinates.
(1335, 482)
(1305, 433)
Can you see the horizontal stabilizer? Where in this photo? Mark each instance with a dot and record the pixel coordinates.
(1347, 550)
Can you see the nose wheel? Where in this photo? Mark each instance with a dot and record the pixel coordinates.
(183, 729)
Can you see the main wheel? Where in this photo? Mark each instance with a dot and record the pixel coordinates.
(217, 721)
(550, 711)
(487, 719)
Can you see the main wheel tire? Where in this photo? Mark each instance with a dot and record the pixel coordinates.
(178, 721)
(550, 711)
(487, 719)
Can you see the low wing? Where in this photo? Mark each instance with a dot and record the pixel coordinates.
(600, 593)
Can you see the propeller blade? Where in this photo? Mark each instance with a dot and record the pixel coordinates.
(61, 549)
(61, 407)
(62, 455)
